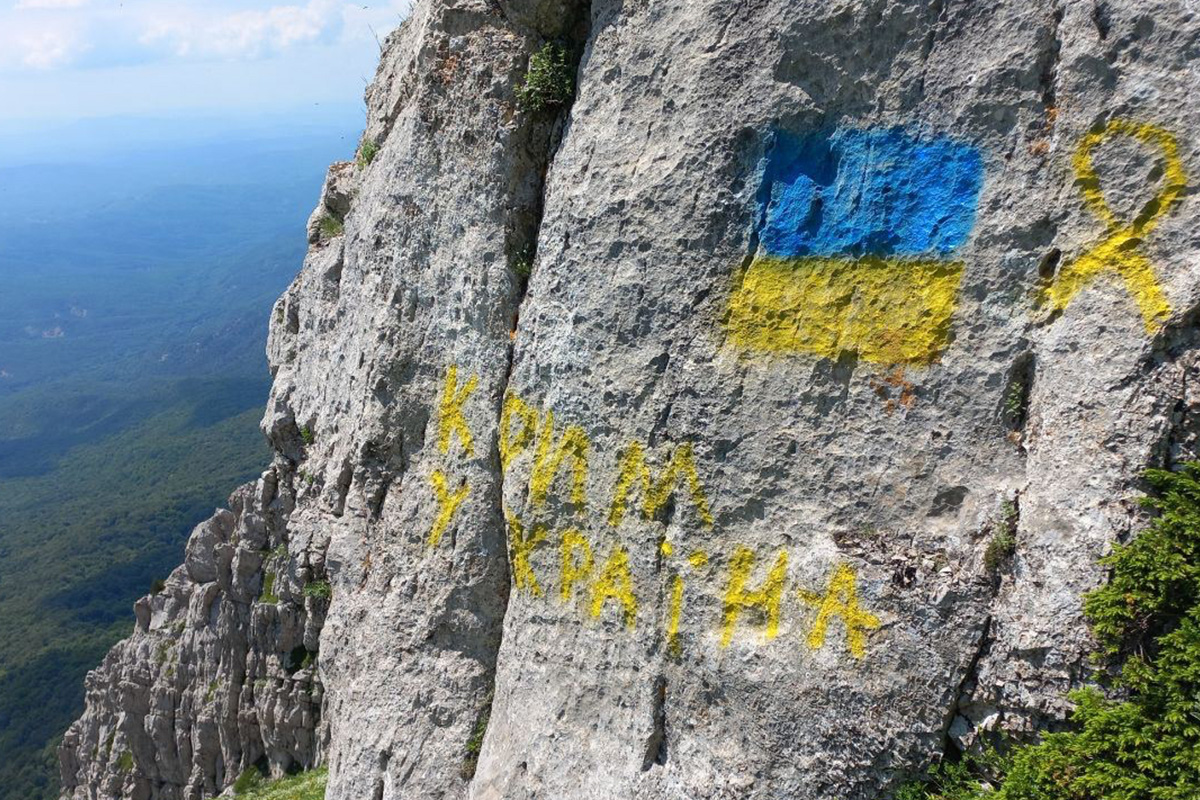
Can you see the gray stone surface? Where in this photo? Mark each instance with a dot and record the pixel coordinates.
(887, 480)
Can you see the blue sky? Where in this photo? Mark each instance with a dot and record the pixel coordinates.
(73, 59)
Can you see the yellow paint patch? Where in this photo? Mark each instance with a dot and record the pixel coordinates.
(512, 445)
(766, 599)
(576, 562)
(634, 470)
(1118, 251)
(676, 612)
(615, 583)
(840, 600)
(520, 548)
(450, 419)
(549, 459)
(448, 503)
(888, 311)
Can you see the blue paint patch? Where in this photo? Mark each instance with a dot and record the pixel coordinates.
(868, 192)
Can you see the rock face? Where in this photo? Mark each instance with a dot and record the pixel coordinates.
(849, 329)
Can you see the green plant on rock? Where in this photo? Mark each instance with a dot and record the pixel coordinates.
(475, 743)
(331, 227)
(321, 590)
(1143, 743)
(268, 589)
(522, 266)
(125, 761)
(1003, 544)
(550, 81)
(303, 786)
(250, 779)
(307, 435)
(367, 152)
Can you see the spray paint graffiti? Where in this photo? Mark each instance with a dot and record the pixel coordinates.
(856, 231)
(605, 586)
(1118, 252)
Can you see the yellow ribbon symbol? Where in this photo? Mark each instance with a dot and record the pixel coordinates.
(1119, 249)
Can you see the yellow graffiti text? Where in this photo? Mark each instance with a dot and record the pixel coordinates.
(576, 562)
(451, 420)
(512, 445)
(1118, 251)
(448, 503)
(549, 459)
(840, 600)
(615, 583)
(888, 311)
(634, 471)
(766, 599)
(520, 548)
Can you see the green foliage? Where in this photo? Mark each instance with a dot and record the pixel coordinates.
(1003, 543)
(475, 743)
(1146, 744)
(331, 226)
(322, 590)
(522, 266)
(1015, 399)
(250, 779)
(212, 691)
(125, 761)
(307, 435)
(157, 585)
(280, 552)
(367, 152)
(305, 786)
(268, 589)
(550, 81)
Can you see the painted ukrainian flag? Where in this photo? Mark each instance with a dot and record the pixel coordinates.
(856, 234)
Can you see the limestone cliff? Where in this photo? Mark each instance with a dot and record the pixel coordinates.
(749, 427)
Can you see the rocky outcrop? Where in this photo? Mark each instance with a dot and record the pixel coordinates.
(220, 672)
(849, 330)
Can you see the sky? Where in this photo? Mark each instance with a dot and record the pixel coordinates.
(68, 60)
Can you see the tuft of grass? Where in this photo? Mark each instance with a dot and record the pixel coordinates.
(250, 779)
(475, 743)
(331, 227)
(268, 589)
(367, 152)
(550, 81)
(125, 761)
(1003, 544)
(157, 585)
(522, 266)
(307, 435)
(305, 786)
(321, 590)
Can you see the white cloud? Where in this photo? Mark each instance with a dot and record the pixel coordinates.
(48, 35)
(24, 5)
(48, 49)
(245, 34)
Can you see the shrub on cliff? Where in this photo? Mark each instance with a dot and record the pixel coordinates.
(550, 81)
(1143, 744)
